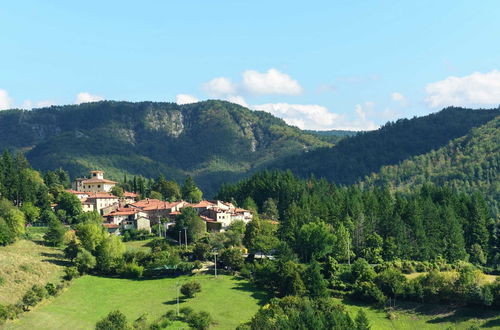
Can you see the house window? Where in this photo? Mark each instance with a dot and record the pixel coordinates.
(98, 186)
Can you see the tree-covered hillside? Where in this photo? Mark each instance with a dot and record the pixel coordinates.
(354, 158)
(214, 141)
(469, 163)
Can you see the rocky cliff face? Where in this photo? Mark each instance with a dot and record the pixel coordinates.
(170, 122)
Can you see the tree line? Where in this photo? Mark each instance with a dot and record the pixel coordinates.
(317, 218)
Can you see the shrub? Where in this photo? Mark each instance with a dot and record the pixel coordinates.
(171, 315)
(30, 299)
(232, 259)
(2, 280)
(9, 312)
(114, 320)
(85, 261)
(190, 289)
(186, 311)
(141, 322)
(368, 291)
(71, 273)
(420, 267)
(202, 251)
(40, 291)
(407, 267)
(51, 289)
(201, 320)
(132, 270)
(185, 267)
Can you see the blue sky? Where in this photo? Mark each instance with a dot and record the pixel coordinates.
(317, 64)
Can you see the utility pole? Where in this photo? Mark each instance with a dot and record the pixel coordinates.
(180, 239)
(159, 227)
(186, 236)
(177, 289)
(215, 255)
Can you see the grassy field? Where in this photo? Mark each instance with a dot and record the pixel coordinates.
(483, 278)
(230, 301)
(139, 245)
(25, 263)
(408, 315)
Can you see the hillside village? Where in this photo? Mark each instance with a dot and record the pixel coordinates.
(128, 212)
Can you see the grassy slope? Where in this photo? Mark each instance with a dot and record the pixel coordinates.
(230, 302)
(139, 245)
(24, 264)
(483, 278)
(410, 315)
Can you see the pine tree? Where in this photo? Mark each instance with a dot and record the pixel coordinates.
(361, 321)
(55, 234)
(314, 281)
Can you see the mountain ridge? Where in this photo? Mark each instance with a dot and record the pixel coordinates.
(351, 159)
(211, 140)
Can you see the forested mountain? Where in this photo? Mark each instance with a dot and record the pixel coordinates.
(214, 141)
(354, 158)
(469, 163)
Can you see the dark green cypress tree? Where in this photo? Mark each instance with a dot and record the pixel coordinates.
(314, 281)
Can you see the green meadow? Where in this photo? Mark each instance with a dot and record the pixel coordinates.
(229, 300)
(409, 316)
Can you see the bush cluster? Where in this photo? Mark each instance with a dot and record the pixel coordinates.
(31, 298)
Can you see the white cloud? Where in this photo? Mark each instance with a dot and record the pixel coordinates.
(218, 87)
(398, 97)
(253, 82)
(5, 101)
(28, 104)
(390, 114)
(45, 103)
(85, 97)
(238, 100)
(185, 99)
(270, 82)
(304, 116)
(317, 117)
(361, 123)
(477, 89)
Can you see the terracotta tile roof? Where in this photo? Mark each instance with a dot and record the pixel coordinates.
(130, 194)
(175, 213)
(202, 204)
(110, 225)
(101, 195)
(238, 210)
(153, 204)
(207, 219)
(77, 192)
(123, 211)
(96, 180)
(146, 202)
